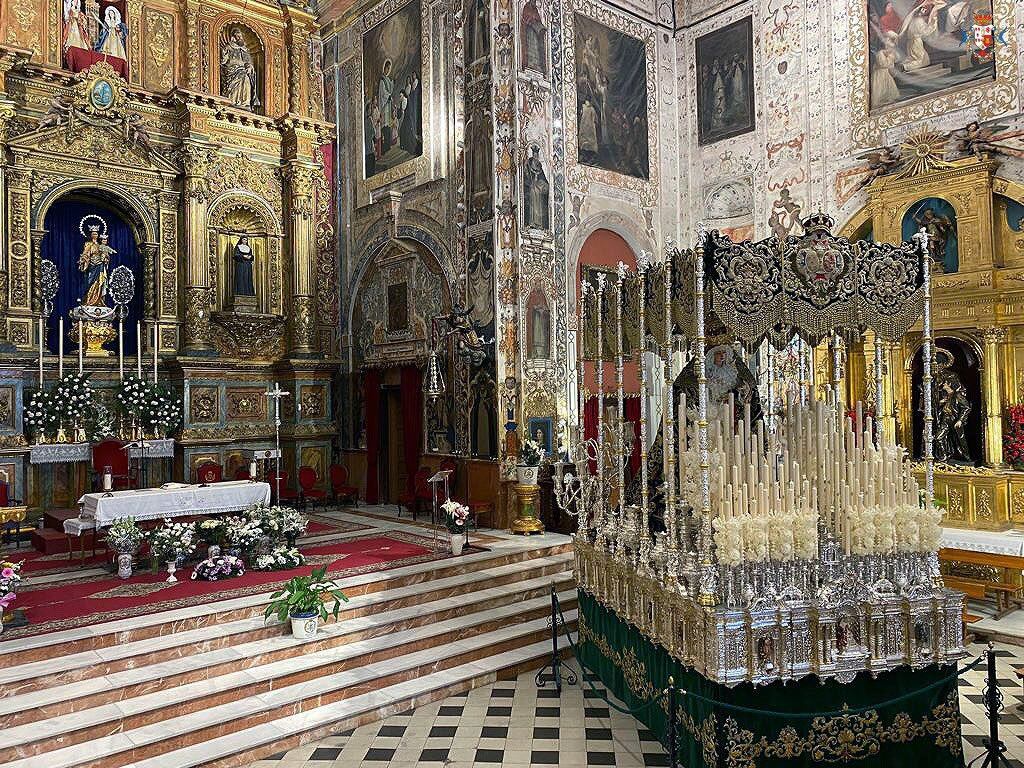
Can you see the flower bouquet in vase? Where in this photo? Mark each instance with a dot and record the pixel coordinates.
(125, 537)
(530, 457)
(456, 520)
(213, 532)
(171, 544)
(10, 577)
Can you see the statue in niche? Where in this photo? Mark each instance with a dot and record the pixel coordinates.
(951, 405)
(939, 228)
(536, 187)
(242, 257)
(538, 332)
(479, 37)
(534, 40)
(238, 71)
(93, 263)
(114, 34)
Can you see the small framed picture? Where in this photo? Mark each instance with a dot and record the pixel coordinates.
(541, 431)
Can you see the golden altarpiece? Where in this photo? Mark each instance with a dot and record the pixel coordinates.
(978, 321)
(207, 137)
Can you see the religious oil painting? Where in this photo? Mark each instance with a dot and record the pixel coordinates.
(611, 99)
(922, 47)
(938, 217)
(725, 82)
(392, 91)
(541, 431)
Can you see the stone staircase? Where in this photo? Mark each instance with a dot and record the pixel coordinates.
(215, 685)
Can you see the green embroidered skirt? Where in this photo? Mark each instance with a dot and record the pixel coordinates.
(921, 727)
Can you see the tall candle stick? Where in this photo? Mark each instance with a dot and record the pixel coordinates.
(60, 347)
(40, 354)
(138, 347)
(81, 344)
(155, 331)
(120, 347)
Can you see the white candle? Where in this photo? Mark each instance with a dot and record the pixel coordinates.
(81, 344)
(138, 347)
(155, 340)
(40, 354)
(253, 470)
(120, 347)
(60, 347)
(108, 480)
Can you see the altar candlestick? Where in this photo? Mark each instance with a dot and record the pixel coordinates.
(253, 470)
(81, 344)
(138, 347)
(60, 347)
(40, 354)
(155, 330)
(120, 347)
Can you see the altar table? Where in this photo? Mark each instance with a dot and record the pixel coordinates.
(993, 542)
(174, 500)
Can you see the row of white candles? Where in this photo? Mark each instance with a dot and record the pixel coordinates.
(819, 462)
(81, 348)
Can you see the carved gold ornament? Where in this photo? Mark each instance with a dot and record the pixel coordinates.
(923, 151)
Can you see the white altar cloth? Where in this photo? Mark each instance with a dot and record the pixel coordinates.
(177, 501)
(994, 542)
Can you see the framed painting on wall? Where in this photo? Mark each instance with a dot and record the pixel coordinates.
(725, 82)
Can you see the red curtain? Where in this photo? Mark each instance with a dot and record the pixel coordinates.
(412, 422)
(79, 59)
(631, 410)
(371, 403)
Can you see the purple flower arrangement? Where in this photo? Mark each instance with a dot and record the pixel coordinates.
(219, 568)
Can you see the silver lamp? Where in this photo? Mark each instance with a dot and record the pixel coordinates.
(433, 382)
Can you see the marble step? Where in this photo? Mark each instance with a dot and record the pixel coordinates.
(216, 719)
(144, 678)
(96, 636)
(37, 676)
(245, 747)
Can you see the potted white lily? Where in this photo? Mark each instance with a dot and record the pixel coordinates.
(456, 519)
(530, 456)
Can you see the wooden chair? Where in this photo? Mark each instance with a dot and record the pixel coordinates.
(111, 453)
(12, 514)
(208, 472)
(419, 495)
(477, 508)
(287, 494)
(340, 487)
(307, 486)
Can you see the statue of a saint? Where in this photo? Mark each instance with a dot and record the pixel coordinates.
(237, 71)
(242, 257)
(537, 189)
(952, 408)
(93, 263)
(939, 229)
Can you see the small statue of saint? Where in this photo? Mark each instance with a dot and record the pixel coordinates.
(242, 257)
(238, 71)
(93, 263)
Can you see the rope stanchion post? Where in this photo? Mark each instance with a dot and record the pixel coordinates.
(994, 754)
(673, 733)
(556, 662)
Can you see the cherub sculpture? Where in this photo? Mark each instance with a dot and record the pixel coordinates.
(976, 139)
(881, 162)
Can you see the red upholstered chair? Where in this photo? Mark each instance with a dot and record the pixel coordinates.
(307, 486)
(340, 487)
(287, 494)
(111, 453)
(10, 528)
(420, 493)
(208, 473)
(242, 473)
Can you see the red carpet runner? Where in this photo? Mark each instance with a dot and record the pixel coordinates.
(75, 603)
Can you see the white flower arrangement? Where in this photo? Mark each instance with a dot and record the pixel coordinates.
(71, 401)
(906, 528)
(531, 454)
(153, 406)
(280, 559)
(125, 536)
(173, 540)
(805, 536)
(456, 516)
(278, 521)
(242, 533)
(755, 538)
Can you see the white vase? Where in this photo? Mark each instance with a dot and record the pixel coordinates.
(527, 475)
(213, 551)
(458, 539)
(172, 566)
(124, 565)
(305, 627)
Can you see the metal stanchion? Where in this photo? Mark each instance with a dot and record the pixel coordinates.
(556, 662)
(993, 699)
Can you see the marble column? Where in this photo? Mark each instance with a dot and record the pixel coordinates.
(302, 314)
(992, 394)
(197, 161)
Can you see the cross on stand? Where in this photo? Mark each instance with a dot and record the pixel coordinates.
(276, 394)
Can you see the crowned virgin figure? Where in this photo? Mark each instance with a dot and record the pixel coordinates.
(93, 264)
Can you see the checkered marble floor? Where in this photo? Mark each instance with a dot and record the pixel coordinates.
(516, 725)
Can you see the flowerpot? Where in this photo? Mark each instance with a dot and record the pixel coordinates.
(172, 566)
(212, 552)
(458, 539)
(305, 627)
(154, 564)
(527, 475)
(124, 565)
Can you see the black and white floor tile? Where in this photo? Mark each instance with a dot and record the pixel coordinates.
(514, 724)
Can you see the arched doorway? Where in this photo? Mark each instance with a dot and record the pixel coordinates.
(69, 223)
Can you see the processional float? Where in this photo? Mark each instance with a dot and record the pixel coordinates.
(767, 537)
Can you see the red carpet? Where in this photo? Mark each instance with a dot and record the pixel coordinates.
(73, 603)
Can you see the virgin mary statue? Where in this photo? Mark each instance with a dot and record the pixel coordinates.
(93, 264)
